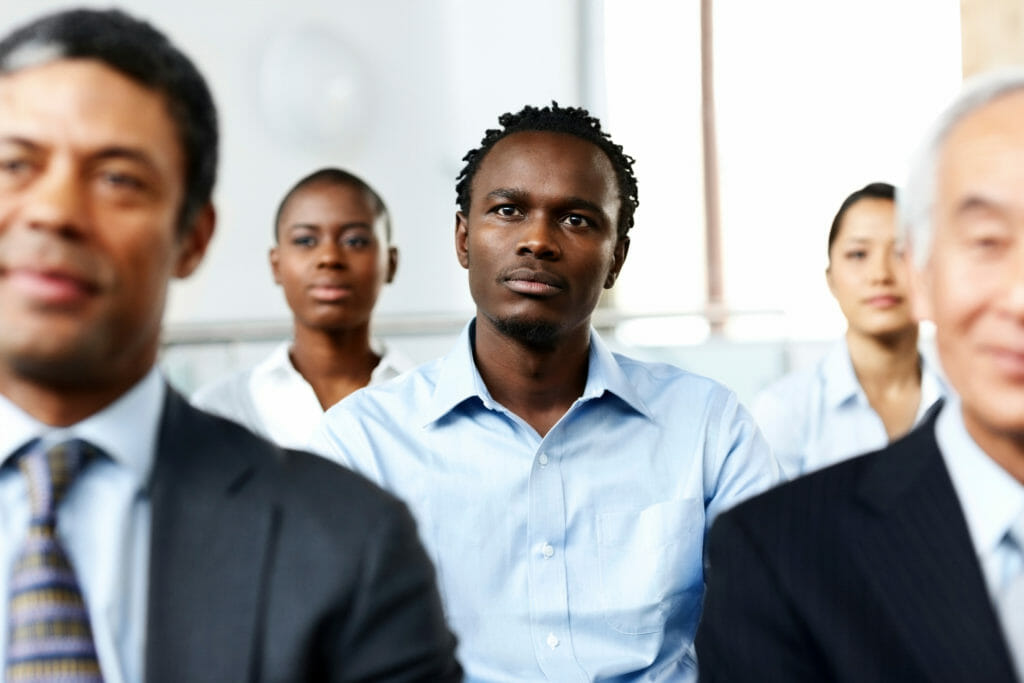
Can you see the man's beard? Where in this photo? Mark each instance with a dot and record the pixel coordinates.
(535, 334)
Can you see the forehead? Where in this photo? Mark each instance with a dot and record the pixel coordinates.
(83, 103)
(984, 154)
(559, 162)
(330, 201)
(869, 218)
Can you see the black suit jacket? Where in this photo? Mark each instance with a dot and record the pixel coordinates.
(270, 565)
(860, 572)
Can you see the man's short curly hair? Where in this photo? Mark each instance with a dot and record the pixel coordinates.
(555, 119)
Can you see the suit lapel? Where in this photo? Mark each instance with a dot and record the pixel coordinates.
(211, 528)
(913, 545)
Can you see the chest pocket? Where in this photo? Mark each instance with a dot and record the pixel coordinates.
(650, 562)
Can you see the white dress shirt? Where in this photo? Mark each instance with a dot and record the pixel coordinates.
(103, 522)
(273, 400)
(820, 415)
(992, 500)
(577, 556)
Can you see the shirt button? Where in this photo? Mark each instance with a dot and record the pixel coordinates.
(543, 459)
(552, 641)
(548, 550)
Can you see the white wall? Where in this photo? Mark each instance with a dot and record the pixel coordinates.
(413, 83)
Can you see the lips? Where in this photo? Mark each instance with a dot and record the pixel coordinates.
(884, 301)
(532, 282)
(1008, 361)
(329, 291)
(50, 286)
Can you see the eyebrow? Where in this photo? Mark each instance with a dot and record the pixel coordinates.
(976, 203)
(317, 226)
(515, 194)
(109, 152)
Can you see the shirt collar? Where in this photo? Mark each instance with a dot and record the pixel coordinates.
(459, 380)
(841, 383)
(991, 499)
(126, 430)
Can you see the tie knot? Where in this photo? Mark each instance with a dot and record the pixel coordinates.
(50, 472)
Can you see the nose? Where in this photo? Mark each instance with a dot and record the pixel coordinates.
(57, 202)
(540, 239)
(1013, 284)
(883, 267)
(330, 254)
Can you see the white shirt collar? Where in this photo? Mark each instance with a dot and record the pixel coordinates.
(126, 430)
(990, 497)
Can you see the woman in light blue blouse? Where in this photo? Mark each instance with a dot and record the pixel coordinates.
(874, 384)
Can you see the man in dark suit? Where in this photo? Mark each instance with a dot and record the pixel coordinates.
(908, 564)
(142, 539)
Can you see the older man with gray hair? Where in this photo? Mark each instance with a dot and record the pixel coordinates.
(907, 564)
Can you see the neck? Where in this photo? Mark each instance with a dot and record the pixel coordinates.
(537, 384)
(334, 362)
(63, 405)
(885, 360)
(1006, 448)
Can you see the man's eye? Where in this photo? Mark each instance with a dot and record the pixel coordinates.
(123, 180)
(14, 170)
(506, 210)
(577, 221)
(304, 241)
(857, 255)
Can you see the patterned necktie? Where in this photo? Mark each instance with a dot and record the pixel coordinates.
(1011, 598)
(49, 637)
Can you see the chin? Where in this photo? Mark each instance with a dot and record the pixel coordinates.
(539, 334)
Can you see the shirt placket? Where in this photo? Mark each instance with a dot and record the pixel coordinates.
(548, 584)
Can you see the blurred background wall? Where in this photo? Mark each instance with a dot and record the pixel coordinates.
(814, 98)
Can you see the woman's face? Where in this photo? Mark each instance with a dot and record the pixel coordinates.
(866, 272)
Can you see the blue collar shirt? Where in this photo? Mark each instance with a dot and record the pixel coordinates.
(104, 522)
(573, 557)
(820, 415)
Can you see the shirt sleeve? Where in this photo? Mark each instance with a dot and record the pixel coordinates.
(778, 413)
(738, 460)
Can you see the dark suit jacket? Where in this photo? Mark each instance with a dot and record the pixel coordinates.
(269, 565)
(860, 572)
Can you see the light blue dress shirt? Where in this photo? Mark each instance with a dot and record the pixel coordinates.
(103, 523)
(820, 415)
(572, 557)
(992, 500)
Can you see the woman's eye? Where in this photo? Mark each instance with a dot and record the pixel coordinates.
(856, 255)
(357, 242)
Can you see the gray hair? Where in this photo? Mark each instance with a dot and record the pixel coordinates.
(916, 200)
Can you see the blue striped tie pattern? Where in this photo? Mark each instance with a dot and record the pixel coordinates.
(49, 636)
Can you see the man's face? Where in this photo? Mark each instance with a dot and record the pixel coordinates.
(91, 183)
(332, 256)
(972, 285)
(540, 239)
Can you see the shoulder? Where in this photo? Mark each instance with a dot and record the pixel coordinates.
(221, 392)
(205, 447)
(666, 381)
(401, 393)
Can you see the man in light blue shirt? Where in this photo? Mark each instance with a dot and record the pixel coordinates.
(562, 491)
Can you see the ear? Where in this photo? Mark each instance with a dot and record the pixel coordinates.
(920, 289)
(392, 264)
(192, 245)
(461, 237)
(828, 279)
(275, 263)
(618, 258)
